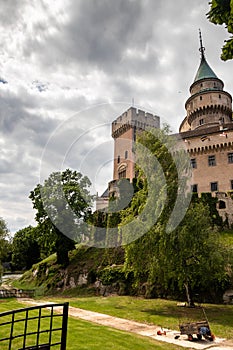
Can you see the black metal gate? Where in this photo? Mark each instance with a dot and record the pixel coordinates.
(36, 327)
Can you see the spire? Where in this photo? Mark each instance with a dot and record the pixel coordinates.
(202, 48)
(204, 70)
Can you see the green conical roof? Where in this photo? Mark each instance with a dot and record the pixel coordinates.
(204, 71)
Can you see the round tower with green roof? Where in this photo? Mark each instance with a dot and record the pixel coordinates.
(208, 104)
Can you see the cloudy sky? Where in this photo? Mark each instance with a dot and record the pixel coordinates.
(68, 68)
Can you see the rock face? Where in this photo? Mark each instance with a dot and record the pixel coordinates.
(82, 279)
(228, 296)
(85, 270)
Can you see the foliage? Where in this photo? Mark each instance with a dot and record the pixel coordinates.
(25, 248)
(187, 257)
(195, 256)
(62, 205)
(111, 274)
(221, 12)
(4, 240)
(208, 200)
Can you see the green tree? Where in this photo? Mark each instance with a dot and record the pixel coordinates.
(173, 256)
(25, 248)
(4, 243)
(4, 236)
(192, 255)
(221, 12)
(62, 204)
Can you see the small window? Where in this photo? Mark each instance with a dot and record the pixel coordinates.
(201, 85)
(126, 154)
(219, 96)
(211, 161)
(222, 205)
(213, 186)
(200, 98)
(231, 182)
(194, 188)
(230, 157)
(134, 133)
(193, 163)
(201, 121)
(118, 159)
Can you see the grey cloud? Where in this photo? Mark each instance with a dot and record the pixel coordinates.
(10, 11)
(97, 34)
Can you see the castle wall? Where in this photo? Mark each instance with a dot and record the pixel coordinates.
(219, 147)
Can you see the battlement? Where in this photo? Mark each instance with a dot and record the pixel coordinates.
(135, 118)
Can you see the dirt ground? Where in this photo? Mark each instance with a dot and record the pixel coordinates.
(144, 329)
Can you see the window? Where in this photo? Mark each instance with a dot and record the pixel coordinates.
(201, 85)
(213, 186)
(193, 163)
(201, 121)
(211, 161)
(219, 96)
(122, 174)
(230, 157)
(134, 133)
(200, 98)
(231, 184)
(194, 188)
(126, 154)
(118, 159)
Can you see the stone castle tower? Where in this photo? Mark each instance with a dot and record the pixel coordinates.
(124, 130)
(207, 131)
(209, 105)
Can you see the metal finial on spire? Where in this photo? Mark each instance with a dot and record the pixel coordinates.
(202, 49)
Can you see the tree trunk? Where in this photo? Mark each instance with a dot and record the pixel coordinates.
(189, 294)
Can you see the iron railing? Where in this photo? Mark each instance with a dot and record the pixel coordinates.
(37, 327)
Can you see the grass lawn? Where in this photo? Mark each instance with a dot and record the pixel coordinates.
(83, 335)
(164, 313)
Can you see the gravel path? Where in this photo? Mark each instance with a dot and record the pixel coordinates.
(142, 329)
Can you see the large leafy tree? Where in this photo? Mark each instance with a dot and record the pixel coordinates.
(173, 258)
(221, 12)
(62, 205)
(192, 256)
(4, 235)
(4, 242)
(25, 248)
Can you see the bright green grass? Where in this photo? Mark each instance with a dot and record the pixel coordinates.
(83, 335)
(160, 312)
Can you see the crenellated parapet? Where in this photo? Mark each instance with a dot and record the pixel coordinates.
(134, 118)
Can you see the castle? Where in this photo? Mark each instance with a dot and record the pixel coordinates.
(207, 131)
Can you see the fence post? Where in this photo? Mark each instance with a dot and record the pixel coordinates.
(64, 325)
